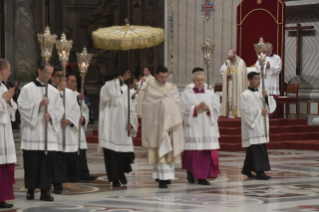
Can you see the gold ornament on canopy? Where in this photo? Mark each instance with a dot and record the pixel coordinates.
(127, 37)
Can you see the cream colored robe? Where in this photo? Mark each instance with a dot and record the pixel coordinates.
(141, 88)
(235, 86)
(162, 132)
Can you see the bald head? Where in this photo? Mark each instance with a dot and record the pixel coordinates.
(232, 55)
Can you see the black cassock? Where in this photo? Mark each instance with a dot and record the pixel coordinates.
(256, 159)
(117, 163)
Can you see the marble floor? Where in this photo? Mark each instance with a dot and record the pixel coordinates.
(294, 187)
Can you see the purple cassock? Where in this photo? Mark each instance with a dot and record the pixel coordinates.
(6, 182)
(202, 164)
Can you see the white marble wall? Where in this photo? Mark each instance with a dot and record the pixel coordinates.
(190, 31)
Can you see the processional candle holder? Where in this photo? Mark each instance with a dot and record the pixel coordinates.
(46, 41)
(84, 60)
(63, 48)
(261, 49)
(207, 49)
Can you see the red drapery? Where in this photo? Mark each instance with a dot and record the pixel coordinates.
(261, 18)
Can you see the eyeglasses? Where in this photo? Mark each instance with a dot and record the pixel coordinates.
(58, 75)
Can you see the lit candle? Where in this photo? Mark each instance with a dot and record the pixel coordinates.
(63, 54)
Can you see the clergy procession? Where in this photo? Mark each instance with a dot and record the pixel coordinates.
(176, 127)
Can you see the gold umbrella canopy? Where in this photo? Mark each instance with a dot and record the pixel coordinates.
(127, 37)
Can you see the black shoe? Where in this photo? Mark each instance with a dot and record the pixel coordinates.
(58, 188)
(46, 196)
(30, 194)
(249, 174)
(168, 182)
(262, 176)
(203, 182)
(269, 177)
(162, 184)
(5, 205)
(57, 191)
(190, 178)
(116, 183)
(88, 178)
(124, 180)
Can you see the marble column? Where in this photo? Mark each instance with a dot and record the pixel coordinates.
(26, 49)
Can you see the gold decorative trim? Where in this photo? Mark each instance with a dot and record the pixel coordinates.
(242, 20)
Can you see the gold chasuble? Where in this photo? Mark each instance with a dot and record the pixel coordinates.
(234, 86)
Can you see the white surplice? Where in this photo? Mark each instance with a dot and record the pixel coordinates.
(252, 121)
(32, 121)
(7, 114)
(113, 118)
(134, 100)
(84, 126)
(271, 74)
(200, 132)
(192, 85)
(73, 115)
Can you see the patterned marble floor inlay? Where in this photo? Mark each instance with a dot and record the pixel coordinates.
(294, 187)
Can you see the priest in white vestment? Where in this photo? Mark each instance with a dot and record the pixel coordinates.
(31, 104)
(272, 70)
(255, 128)
(113, 129)
(7, 147)
(144, 81)
(162, 132)
(200, 109)
(234, 84)
(192, 85)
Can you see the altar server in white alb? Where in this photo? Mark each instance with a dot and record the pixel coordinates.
(31, 104)
(83, 124)
(113, 129)
(162, 133)
(192, 85)
(7, 147)
(272, 69)
(142, 84)
(254, 135)
(71, 125)
(200, 109)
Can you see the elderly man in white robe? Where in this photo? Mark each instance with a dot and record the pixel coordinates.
(142, 84)
(255, 128)
(162, 132)
(272, 70)
(234, 73)
(31, 104)
(113, 129)
(200, 109)
(192, 85)
(7, 147)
